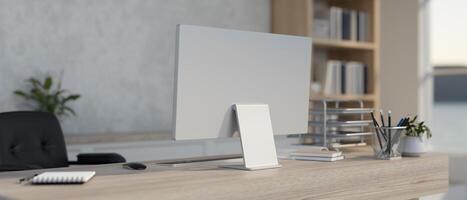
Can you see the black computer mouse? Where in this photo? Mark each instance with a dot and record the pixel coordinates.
(135, 166)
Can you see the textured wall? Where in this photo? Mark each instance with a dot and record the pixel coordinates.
(119, 54)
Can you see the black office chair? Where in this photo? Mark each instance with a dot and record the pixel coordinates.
(34, 140)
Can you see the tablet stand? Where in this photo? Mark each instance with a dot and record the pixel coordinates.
(257, 139)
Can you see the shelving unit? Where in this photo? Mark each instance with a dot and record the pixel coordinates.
(328, 129)
(296, 17)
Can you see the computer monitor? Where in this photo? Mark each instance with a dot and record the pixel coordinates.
(217, 68)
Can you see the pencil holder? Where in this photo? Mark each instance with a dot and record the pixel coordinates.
(386, 142)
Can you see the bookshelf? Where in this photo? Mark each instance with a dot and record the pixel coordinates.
(297, 17)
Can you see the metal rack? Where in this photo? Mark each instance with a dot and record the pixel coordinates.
(333, 128)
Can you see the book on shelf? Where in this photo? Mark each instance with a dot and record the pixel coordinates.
(344, 24)
(362, 26)
(320, 23)
(349, 78)
(320, 28)
(332, 82)
(354, 25)
(319, 71)
(354, 72)
(335, 23)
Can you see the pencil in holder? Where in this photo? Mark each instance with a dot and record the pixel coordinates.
(386, 142)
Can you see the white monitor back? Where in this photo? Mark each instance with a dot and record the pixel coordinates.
(217, 68)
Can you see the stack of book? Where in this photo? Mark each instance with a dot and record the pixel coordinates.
(317, 154)
(341, 23)
(348, 78)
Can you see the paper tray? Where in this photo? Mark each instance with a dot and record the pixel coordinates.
(342, 111)
(341, 123)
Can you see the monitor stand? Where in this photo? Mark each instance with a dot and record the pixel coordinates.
(256, 136)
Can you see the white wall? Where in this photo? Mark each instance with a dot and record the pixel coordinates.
(119, 54)
(400, 56)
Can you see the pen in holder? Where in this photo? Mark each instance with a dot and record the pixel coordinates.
(386, 141)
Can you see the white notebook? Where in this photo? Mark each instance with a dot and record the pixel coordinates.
(318, 158)
(316, 152)
(77, 177)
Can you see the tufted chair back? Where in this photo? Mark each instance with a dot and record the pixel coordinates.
(31, 140)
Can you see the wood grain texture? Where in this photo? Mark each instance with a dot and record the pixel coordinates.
(357, 177)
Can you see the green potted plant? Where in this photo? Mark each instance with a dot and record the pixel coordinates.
(43, 96)
(415, 138)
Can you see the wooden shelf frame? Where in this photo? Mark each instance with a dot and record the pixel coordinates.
(296, 18)
(344, 44)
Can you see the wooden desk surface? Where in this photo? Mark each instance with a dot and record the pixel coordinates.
(359, 176)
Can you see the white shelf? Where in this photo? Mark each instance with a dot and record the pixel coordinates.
(339, 145)
(343, 111)
(341, 123)
(338, 135)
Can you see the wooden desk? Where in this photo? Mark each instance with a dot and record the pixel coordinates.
(357, 177)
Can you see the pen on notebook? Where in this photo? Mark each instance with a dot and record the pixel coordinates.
(21, 180)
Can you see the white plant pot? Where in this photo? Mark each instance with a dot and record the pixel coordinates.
(414, 146)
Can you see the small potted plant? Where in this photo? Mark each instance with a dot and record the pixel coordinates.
(43, 96)
(415, 138)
